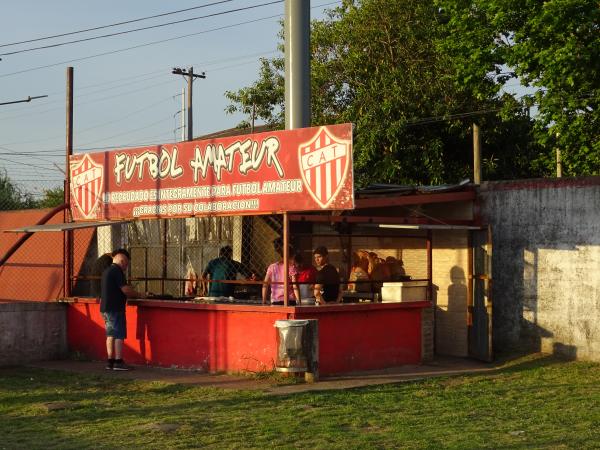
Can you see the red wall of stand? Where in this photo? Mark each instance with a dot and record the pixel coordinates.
(237, 338)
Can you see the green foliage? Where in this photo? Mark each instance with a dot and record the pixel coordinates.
(552, 46)
(379, 65)
(263, 98)
(12, 197)
(52, 197)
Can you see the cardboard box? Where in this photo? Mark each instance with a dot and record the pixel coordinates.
(404, 291)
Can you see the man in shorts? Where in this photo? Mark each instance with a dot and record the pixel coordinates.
(327, 283)
(113, 297)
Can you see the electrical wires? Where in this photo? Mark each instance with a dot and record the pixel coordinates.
(113, 24)
(60, 44)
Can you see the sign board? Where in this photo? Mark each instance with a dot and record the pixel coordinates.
(305, 169)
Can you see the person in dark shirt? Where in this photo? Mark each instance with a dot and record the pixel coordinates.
(100, 266)
(224, 268)
(327, 283)
(113, 298)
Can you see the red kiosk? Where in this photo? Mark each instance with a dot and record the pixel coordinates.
(245, 180)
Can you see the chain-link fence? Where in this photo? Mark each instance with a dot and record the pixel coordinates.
(31, 266)
(171, 258)
(174, 258)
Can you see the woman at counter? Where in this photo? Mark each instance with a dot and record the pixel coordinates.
(275, 279)
(307, 275)
(359, 273)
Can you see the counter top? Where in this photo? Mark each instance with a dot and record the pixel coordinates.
(190, 305)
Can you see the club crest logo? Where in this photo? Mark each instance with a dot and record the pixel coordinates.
(324, 164)
(86, 186)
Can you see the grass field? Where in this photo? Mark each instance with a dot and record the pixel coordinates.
(532, 402)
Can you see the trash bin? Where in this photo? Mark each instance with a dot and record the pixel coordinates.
(292, 340)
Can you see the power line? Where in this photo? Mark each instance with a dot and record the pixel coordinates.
(114, 24)
(137, 80)
(112, 52)
(27, 100)
(129, 131)
(85, 130)
(77, 97)
(434, 119)
(160, 71)
(60, 44)
(208, 63)
(153, 43)
(31, 156)
(78, 104)
(45, 167)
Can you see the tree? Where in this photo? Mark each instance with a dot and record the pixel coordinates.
(52, 197)
(552, 46)
(263, 99)
(11, 196)
(378, 65)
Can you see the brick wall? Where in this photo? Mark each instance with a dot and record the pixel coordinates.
(427, 334)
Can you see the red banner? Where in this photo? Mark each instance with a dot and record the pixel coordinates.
(294, 170)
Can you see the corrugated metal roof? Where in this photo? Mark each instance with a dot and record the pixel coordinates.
(376, 190)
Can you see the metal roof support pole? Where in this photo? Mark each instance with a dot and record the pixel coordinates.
(165, 236)
(430, 281)
(297, 63)
(68, 235)
(286, 256)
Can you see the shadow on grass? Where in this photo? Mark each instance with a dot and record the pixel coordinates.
(518, 361)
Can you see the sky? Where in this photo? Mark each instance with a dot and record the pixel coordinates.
(122, 97)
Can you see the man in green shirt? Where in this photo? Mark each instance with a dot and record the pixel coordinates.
(223, 268)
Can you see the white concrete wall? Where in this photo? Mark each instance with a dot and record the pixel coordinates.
(546, 264)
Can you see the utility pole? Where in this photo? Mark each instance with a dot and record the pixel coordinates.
(476, 155)
(190, 80)
(68, 234)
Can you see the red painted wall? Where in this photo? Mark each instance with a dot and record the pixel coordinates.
(209, 337)
(363, 338)
(236, 338)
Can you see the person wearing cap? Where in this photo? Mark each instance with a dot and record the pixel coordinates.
(113, 299)
(327, 283)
